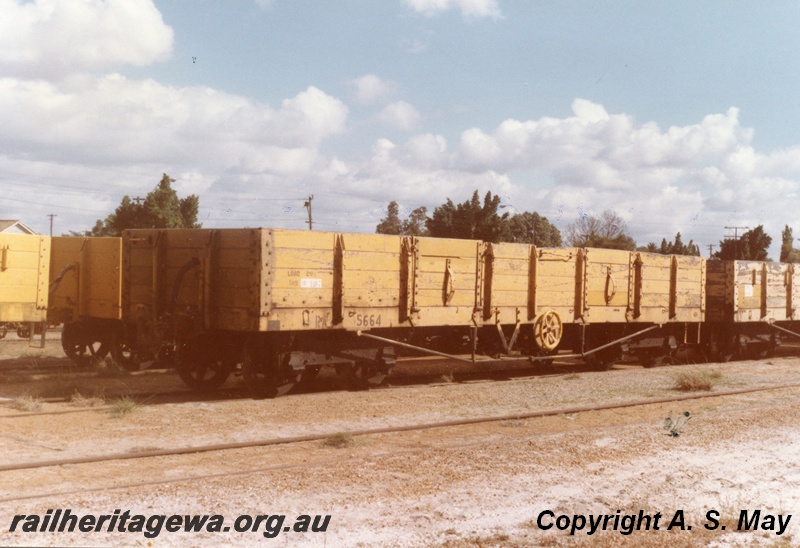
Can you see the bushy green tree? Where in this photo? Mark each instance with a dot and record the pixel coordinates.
(532, 228)
(415, 224)
(750, 246)
(160, 209)
(470, 220)
(391, 223)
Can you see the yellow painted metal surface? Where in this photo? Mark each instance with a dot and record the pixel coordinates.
(748, 291)
(85, 274)
(24, 277)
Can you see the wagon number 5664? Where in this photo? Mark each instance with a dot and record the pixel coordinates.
(368, 320)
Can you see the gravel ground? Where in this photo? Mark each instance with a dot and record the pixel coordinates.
(479, 485)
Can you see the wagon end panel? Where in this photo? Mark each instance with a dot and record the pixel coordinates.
(24, 277)
(719, 291)
(86, 278)
(298, 285)
(750, 291)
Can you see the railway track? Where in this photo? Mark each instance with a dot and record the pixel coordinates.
(405, 374)
(267, 442)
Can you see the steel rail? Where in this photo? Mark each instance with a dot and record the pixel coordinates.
(375, 431)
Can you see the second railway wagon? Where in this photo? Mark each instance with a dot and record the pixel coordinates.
(286, 302)
(750, 303)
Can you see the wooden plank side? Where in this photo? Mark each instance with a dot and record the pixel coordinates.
(302, 239)
(435, 247)
(372, 243)
(371, 262)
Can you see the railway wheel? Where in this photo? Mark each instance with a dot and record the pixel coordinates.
(3, 331)
(266, 372)
(82, 346)
(204, 366)
(23, 331)
(547, 330)
(125, 356)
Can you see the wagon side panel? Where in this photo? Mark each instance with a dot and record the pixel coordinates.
(444, 281)
(553, 280)
(297, 280)
(371, 283)
(608, 278)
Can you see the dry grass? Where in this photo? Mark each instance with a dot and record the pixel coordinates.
(447, 377)
(81, 400)
(122, 407)
(695, 380)
(25, 403)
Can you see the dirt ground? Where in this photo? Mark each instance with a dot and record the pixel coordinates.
(485, 484)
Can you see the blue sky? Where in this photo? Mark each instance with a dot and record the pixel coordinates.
(680, 116)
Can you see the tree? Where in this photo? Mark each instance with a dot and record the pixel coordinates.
(391, 223)
(161, 209)
(607, 231)
(532, 228)
(788, 253)
(750, 246)
(415, 225)
(470, 220)
(673, 248)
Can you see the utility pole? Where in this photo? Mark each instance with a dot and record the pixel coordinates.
(735, 237)
(51, 223)
(307, 205)
(710, 250)
(139, 200)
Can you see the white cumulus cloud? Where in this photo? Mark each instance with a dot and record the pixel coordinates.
(370, 89)
(54, 38)
(400, 115)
